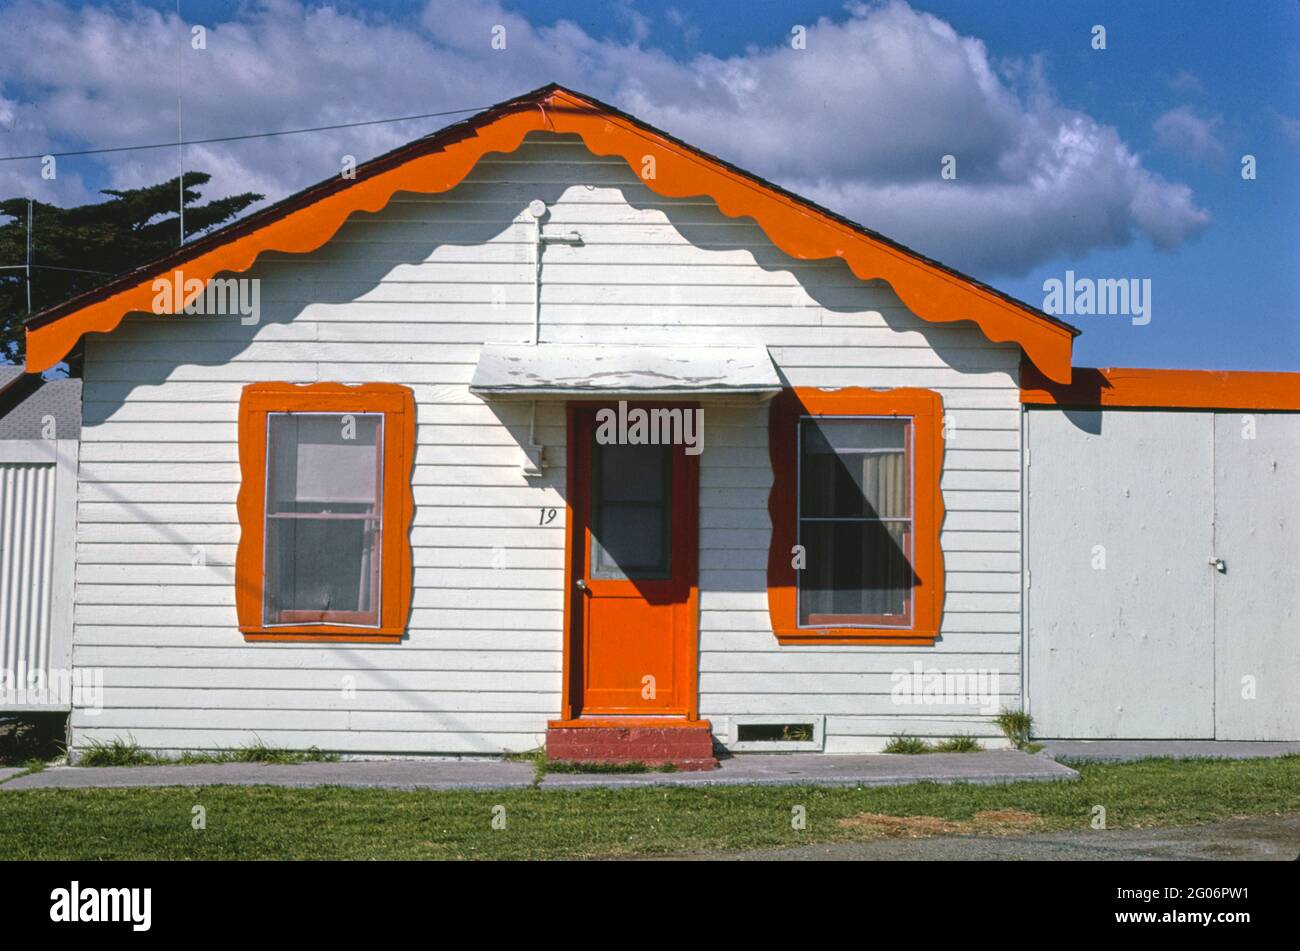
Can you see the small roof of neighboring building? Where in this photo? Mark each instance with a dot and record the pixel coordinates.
(28, 404)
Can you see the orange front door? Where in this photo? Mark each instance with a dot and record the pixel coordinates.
(632, 576)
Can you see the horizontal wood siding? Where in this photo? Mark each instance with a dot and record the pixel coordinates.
(408, 295)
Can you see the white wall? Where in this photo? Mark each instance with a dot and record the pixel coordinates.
(408, 295)
(1153, 641)
(1121, 599)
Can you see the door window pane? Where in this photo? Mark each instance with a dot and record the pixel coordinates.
(631, 505)
(323, 504)
(632, 473)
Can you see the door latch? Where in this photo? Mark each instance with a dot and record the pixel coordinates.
(1219, 565)
(581, 585)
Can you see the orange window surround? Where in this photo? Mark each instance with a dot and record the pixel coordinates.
(923, 411)
(390, 556)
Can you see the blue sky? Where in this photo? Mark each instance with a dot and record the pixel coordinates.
(1153, 128)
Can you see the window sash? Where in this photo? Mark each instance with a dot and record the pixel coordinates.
(903, 620)
(373, 538)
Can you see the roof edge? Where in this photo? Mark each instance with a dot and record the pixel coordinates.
(439, 162)
(1138, 388)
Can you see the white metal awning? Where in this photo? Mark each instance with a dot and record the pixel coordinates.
(550, 370)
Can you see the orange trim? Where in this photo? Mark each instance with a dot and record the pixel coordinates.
(925, 407)
(1173, 389)
(571, 687)
(632, 723)
(795, 226)
(397, 403)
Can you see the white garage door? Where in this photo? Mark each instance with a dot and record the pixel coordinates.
(1133, 631)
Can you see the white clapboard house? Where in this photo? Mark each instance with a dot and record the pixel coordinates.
(551, 428)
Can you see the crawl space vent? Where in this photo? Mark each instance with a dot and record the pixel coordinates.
(776, 734)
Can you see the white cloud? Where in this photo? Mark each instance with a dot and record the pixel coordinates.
(1186, 81)
(859, 120)
(684, 25)
(1181, 130)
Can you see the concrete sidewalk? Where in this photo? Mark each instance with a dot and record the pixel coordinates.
(820, 769)
(1126, 751)
(792, 769)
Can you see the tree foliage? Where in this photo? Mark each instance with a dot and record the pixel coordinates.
(77, 249)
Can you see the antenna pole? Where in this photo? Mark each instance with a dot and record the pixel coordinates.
(29, 257)
(180, 138)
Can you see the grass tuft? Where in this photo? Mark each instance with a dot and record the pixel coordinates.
(1018, 727)
(553, 766)
(907, 745)
(959, 744)
(259, 753)
(127, 753)
(119, 752)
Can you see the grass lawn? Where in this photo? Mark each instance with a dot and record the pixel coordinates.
(265, 822)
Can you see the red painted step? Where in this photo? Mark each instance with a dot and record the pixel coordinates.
(685, 744)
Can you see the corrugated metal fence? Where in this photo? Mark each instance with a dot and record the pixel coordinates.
(38, 492)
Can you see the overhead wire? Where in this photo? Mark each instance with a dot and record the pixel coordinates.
(242, 137)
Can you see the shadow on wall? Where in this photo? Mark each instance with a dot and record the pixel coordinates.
(831, 288)
(1086, 387)
(1085, 420)
(371, 245)
(337, 273)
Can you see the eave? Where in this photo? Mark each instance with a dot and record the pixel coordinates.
(437, 163)
(1138, 388)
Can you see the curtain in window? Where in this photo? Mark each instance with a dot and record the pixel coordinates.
(854, 520)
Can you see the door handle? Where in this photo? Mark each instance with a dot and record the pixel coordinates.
(581, 585)
(1219, 565)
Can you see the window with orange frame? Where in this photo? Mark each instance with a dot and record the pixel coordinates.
(325, 509)
(856, 511)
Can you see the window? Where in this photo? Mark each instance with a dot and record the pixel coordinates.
(631, 512)
(325, 509)
(324, 496)
(855, 522)
(855, 510)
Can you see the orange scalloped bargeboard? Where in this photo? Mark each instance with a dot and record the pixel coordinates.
(797, 228)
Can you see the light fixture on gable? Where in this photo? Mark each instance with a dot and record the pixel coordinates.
(534, 453)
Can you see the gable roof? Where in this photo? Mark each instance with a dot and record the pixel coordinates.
(438, 162)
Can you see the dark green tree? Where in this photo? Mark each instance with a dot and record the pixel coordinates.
(77, 249)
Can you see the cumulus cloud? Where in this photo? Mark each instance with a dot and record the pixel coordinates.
(1181, 130)
(860, 120)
